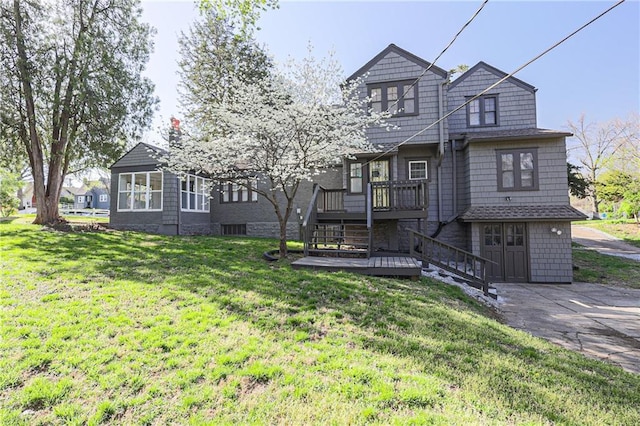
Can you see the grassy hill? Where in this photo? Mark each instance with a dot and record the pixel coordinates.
(128, 328)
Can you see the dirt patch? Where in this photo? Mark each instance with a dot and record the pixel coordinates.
(65, 226)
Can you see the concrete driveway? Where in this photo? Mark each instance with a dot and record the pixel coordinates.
(598, 321)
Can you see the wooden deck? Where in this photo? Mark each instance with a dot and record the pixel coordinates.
(378, 266)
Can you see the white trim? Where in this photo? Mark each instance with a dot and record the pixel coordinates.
(206, 199)
(426, 169)
(147, 192)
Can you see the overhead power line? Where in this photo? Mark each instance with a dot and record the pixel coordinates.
(511, 74)
(477, 12)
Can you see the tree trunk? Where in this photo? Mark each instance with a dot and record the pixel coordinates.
(595, 202)
(47, 191)
(283, 240)
(284, 219)
(595, 211)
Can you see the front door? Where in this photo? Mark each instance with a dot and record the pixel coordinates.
(506, 245)
(379, 172)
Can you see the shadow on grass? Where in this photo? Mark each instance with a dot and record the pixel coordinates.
(420, 321)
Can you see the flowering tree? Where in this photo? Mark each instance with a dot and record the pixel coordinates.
(282, 129)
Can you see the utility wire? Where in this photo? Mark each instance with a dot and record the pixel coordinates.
(441, 53)
(511, 74)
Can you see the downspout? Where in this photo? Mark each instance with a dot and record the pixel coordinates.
(454, 159)
(179, 210)
(441, 152)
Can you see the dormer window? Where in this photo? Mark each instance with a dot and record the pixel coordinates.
(398, 97)
(483, 111)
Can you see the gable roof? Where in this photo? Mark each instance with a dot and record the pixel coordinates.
(145, 157)
(399, 51)
(495, 71)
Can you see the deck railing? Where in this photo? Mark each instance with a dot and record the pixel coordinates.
(331, 200)
(450, 258)
(400, 195)
(369, 209)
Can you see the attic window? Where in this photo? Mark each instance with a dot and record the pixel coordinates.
(398, 97)
(483, 111)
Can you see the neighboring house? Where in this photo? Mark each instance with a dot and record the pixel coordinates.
(27, 197)
(93, 198)
(486, 180)
(68, 196)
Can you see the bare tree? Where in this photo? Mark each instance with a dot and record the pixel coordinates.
(629, 153)
(595, 148)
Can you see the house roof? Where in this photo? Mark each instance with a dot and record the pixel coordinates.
(520, 213)
(495, 71)
(399, 51)
(75, 190)
(147, 147)
(509, 134)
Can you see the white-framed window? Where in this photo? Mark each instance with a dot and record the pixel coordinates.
(80, 199)
(103, 198)
(195, 194)
(418, 169)
(236, 193)
(140, 191)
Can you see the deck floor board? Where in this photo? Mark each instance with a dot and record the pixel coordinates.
(377, 266)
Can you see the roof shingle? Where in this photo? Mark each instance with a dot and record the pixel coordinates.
(520, 213)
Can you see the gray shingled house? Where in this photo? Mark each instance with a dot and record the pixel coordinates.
(486, 181)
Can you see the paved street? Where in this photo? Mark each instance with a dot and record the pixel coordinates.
(604, 243)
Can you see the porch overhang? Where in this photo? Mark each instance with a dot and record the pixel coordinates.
(521, 214)
(508, 135)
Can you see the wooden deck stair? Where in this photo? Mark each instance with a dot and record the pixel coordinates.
(472, 268)
(339, 239)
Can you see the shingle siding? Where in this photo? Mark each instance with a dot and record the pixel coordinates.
(516, 105)
(260, 217)
(394, 67)
(550, 254)
(139, 155)
(552, 174)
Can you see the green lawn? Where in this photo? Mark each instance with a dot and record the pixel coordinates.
(594, 267)
(627, 230)
(128, 328)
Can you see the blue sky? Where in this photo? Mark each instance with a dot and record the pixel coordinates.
(597, 72)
